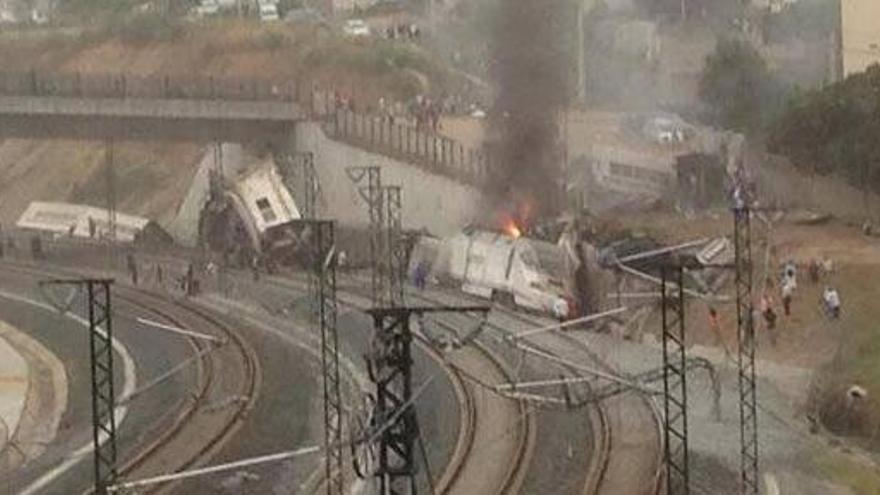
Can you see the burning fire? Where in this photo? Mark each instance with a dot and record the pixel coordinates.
(513, 221)
(510, 228)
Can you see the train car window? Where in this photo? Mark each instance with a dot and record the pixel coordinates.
(266, 210)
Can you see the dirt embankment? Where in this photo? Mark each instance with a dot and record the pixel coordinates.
(152, 177)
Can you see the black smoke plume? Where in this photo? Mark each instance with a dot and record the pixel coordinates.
(531, 69)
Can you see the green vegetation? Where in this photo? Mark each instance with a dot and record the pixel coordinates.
(397, 63)
(144, 28)
(862, 479)
(835, 130)
(738, 88)
(88, 9)
(804, 19)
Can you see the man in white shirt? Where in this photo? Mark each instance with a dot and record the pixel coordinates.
(832, 302)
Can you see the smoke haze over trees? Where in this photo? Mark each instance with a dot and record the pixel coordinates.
(835, 130)
(531, 69)
(737, 87)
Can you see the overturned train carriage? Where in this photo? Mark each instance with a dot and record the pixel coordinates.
(248, 218)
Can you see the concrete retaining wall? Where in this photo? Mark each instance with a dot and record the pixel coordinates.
(439, 204)
(185, 225)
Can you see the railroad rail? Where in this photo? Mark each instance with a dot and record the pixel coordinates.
(198, 432)
(609, 455)
(615, 467)
(472, 373)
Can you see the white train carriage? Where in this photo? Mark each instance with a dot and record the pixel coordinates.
(524, 272)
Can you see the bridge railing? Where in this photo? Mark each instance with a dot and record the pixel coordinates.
(75, 85)
(391, 137)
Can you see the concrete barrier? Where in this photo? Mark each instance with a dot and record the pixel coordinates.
(435, 202)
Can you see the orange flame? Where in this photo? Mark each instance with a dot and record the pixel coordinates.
(510, 228)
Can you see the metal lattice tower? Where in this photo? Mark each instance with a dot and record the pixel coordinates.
(392, 375)
(748, 405)
(396, 247)
(310, 186)
(101, 361)
(675, 366)
(309, 211)
(373, 194)
(325, 246)
(321, 238)
(390, 368)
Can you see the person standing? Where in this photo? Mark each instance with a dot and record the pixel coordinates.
(832, 302)
(814, 271)
(769, 316)
(787, 293)
(789, 274)
(132, 268)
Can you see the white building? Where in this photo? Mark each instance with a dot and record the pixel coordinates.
(859, 34)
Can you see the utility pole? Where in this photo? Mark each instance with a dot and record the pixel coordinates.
(390, 368)
(748, 406)
(100, 319)
(318, 239)
(396, 247)
(374, 196)
(675, 364)
(310, 185)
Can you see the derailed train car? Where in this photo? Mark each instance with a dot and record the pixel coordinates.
(526, 273)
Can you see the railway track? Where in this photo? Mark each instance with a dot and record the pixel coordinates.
(474, 371)
(497, 433)
(207, 420)
(630, 453)
(628, 429)
(503, 428)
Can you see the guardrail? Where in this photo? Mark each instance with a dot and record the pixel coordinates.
(82, 85)
(430, 150)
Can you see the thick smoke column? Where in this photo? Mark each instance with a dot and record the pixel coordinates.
(531, 68)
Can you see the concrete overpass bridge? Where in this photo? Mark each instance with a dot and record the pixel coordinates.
(125, 107)
(287, 117)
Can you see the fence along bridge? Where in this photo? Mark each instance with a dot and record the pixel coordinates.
(125, 107)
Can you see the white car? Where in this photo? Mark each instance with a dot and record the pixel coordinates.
(207, 8)
(269, 12)
(356, 28)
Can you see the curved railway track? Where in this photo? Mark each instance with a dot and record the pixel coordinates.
(495, 432)
(628, 429)
(203, 425)
(474, 371)
(234, 399)
(630, 453)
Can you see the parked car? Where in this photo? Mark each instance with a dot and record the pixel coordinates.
(269, 12)
(356, 28)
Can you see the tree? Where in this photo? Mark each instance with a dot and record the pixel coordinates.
(736, 86)
(834, 130)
